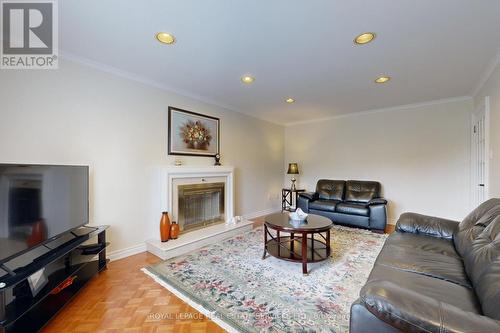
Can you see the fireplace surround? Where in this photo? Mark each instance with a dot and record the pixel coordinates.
(198, 181)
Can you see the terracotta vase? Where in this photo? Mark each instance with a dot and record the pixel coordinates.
(164, 227)
(174, 230)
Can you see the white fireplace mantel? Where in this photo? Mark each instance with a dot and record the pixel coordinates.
(196, 239)
(169, 173)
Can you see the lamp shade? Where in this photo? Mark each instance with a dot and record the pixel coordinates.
(293, 169)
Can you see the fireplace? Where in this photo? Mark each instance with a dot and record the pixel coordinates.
(200, 205)
(211, 187)
(196, 197)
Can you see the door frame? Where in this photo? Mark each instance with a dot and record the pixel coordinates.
(484, 106)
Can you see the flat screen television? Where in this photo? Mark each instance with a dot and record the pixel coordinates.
(38, 203)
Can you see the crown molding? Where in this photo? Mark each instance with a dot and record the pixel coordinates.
(140, 79)
(490, 68)
(374, 111)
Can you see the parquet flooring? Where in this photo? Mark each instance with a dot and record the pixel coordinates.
(122, 299)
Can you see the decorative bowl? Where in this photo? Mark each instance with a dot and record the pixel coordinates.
(298, 215)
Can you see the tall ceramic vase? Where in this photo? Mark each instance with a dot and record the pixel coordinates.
(164, 227)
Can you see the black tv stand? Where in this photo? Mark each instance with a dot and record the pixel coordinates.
(67, 269)
(7, 269)
(82, 231)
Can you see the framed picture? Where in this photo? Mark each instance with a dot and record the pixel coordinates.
(191, 133)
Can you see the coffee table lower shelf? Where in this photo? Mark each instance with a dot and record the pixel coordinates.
(290, 248)
(303, 241)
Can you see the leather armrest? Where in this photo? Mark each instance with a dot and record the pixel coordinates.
(427, 225)
(413, 312)
(309, 195)
(377, 201)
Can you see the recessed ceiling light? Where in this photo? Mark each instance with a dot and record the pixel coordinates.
(382, 79)
(165, 38)
(364, 38)
(290, 100)
(247, 79)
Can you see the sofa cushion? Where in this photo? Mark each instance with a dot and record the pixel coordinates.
(441, 290)
(330, 189)
(488, 290)
(353, 208)
(419, 242)
(413, 223)
(344, 219)
(474, 224)
(484, 250)
(328, 205)
(361, 191)
(410, 311)
(433, 257)
(482, 264)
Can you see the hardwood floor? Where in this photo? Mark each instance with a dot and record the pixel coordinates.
(124, 299)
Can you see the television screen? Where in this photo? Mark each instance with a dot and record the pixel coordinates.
(39, 202)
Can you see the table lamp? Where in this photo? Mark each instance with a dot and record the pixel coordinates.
(293, 169)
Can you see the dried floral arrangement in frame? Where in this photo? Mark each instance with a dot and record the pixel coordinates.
(191, 133)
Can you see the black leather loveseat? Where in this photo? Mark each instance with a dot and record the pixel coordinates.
(435, 275)
(353, 202)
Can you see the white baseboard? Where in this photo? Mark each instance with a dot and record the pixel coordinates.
(261, 213)
(127, 252)
(139, 248)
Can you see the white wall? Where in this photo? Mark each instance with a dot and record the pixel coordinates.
(79, 115)
(491, 88)
(419, 154)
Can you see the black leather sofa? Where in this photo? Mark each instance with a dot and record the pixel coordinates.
(353, 202)
(435, 275)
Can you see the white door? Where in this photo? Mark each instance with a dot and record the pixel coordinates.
(480, 154)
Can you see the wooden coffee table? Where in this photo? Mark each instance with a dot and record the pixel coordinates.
(297, 246)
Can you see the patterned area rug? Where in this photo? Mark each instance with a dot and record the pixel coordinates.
(232, 285)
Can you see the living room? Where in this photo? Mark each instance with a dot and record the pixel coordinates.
(393, 104)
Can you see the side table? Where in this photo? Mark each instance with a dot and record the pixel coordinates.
(289, 199)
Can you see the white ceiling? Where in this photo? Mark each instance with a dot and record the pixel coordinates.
(432, 49)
